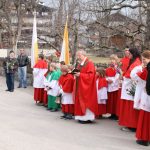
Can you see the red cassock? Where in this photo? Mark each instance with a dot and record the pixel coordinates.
(143, 127)
(39, 92)
(125, 63)
(85, 92)
(112, 96)
(118, 102)
(101, 84)
(45, 98)
(67, 82)
(128, 116)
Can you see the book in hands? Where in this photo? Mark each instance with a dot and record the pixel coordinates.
(75, 70)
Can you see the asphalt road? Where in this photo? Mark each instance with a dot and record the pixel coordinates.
(26, 126)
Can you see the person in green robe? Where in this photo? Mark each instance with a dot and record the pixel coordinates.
(52, 87)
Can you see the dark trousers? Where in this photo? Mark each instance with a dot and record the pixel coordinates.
(10, 81)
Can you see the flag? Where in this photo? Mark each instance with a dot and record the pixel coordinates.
(65, 47)
(34, 49)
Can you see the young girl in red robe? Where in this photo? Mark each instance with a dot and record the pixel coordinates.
(101, 91)
(66, 82)
(143, 127)
(112, 76)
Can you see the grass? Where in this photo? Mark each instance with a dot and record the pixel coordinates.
(99, 59)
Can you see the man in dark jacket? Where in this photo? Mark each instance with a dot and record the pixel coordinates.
(10, 65)
(23, 61)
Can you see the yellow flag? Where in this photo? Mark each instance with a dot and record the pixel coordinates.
(34, 49)
(65, 47)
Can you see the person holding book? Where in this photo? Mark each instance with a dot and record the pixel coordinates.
(85, 92)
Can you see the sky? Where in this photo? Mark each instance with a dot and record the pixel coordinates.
(126, 11)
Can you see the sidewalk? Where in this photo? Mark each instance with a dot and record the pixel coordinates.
(25, 126)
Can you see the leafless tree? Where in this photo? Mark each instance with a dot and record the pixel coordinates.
(11, 18)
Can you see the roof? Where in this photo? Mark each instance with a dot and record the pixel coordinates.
(43, 8)
(118, 17)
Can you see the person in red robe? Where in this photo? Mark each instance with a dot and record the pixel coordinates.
(143, 127)
(101, 91)
(125, 61)
(113, 76)
(39, 69)
(128, 115)
(66, 82)
(85, 92)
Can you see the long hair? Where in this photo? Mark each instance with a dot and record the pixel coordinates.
(148, 79)
(135, 54)
(101, 71)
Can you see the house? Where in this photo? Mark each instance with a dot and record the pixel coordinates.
(115, 31)
(44, 15)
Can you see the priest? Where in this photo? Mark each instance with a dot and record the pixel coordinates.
(85, 94)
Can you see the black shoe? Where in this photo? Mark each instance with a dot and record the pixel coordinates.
(40, 103)
(7, 90)
(132, 129)
(11, 91)
(53, 110)
(85, 122)
(19, 87)
(48, 108)
(144, 143)
(113, 117)
(63, 117)
(25, 87)
(69, 116)
(45, 105)
(128, 129)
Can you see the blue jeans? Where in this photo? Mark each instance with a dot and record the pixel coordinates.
(10, 81)
(22, 75)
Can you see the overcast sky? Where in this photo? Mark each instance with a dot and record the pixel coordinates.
(126, 11)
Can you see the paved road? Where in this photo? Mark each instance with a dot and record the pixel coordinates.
(25, 126)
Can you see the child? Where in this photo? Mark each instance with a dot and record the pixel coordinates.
(52, 87)
(112, 77)
(101, 90)
(143, 127)
(66, 82)
(46, 83)
(39, 70)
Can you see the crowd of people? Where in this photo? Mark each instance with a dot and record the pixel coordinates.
(85, 92)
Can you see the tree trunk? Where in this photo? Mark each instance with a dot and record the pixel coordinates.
(75, 43)
(147, 36)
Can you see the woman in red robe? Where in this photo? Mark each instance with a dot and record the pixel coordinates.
(128, 115)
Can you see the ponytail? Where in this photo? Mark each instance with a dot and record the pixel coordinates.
(148, 79)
